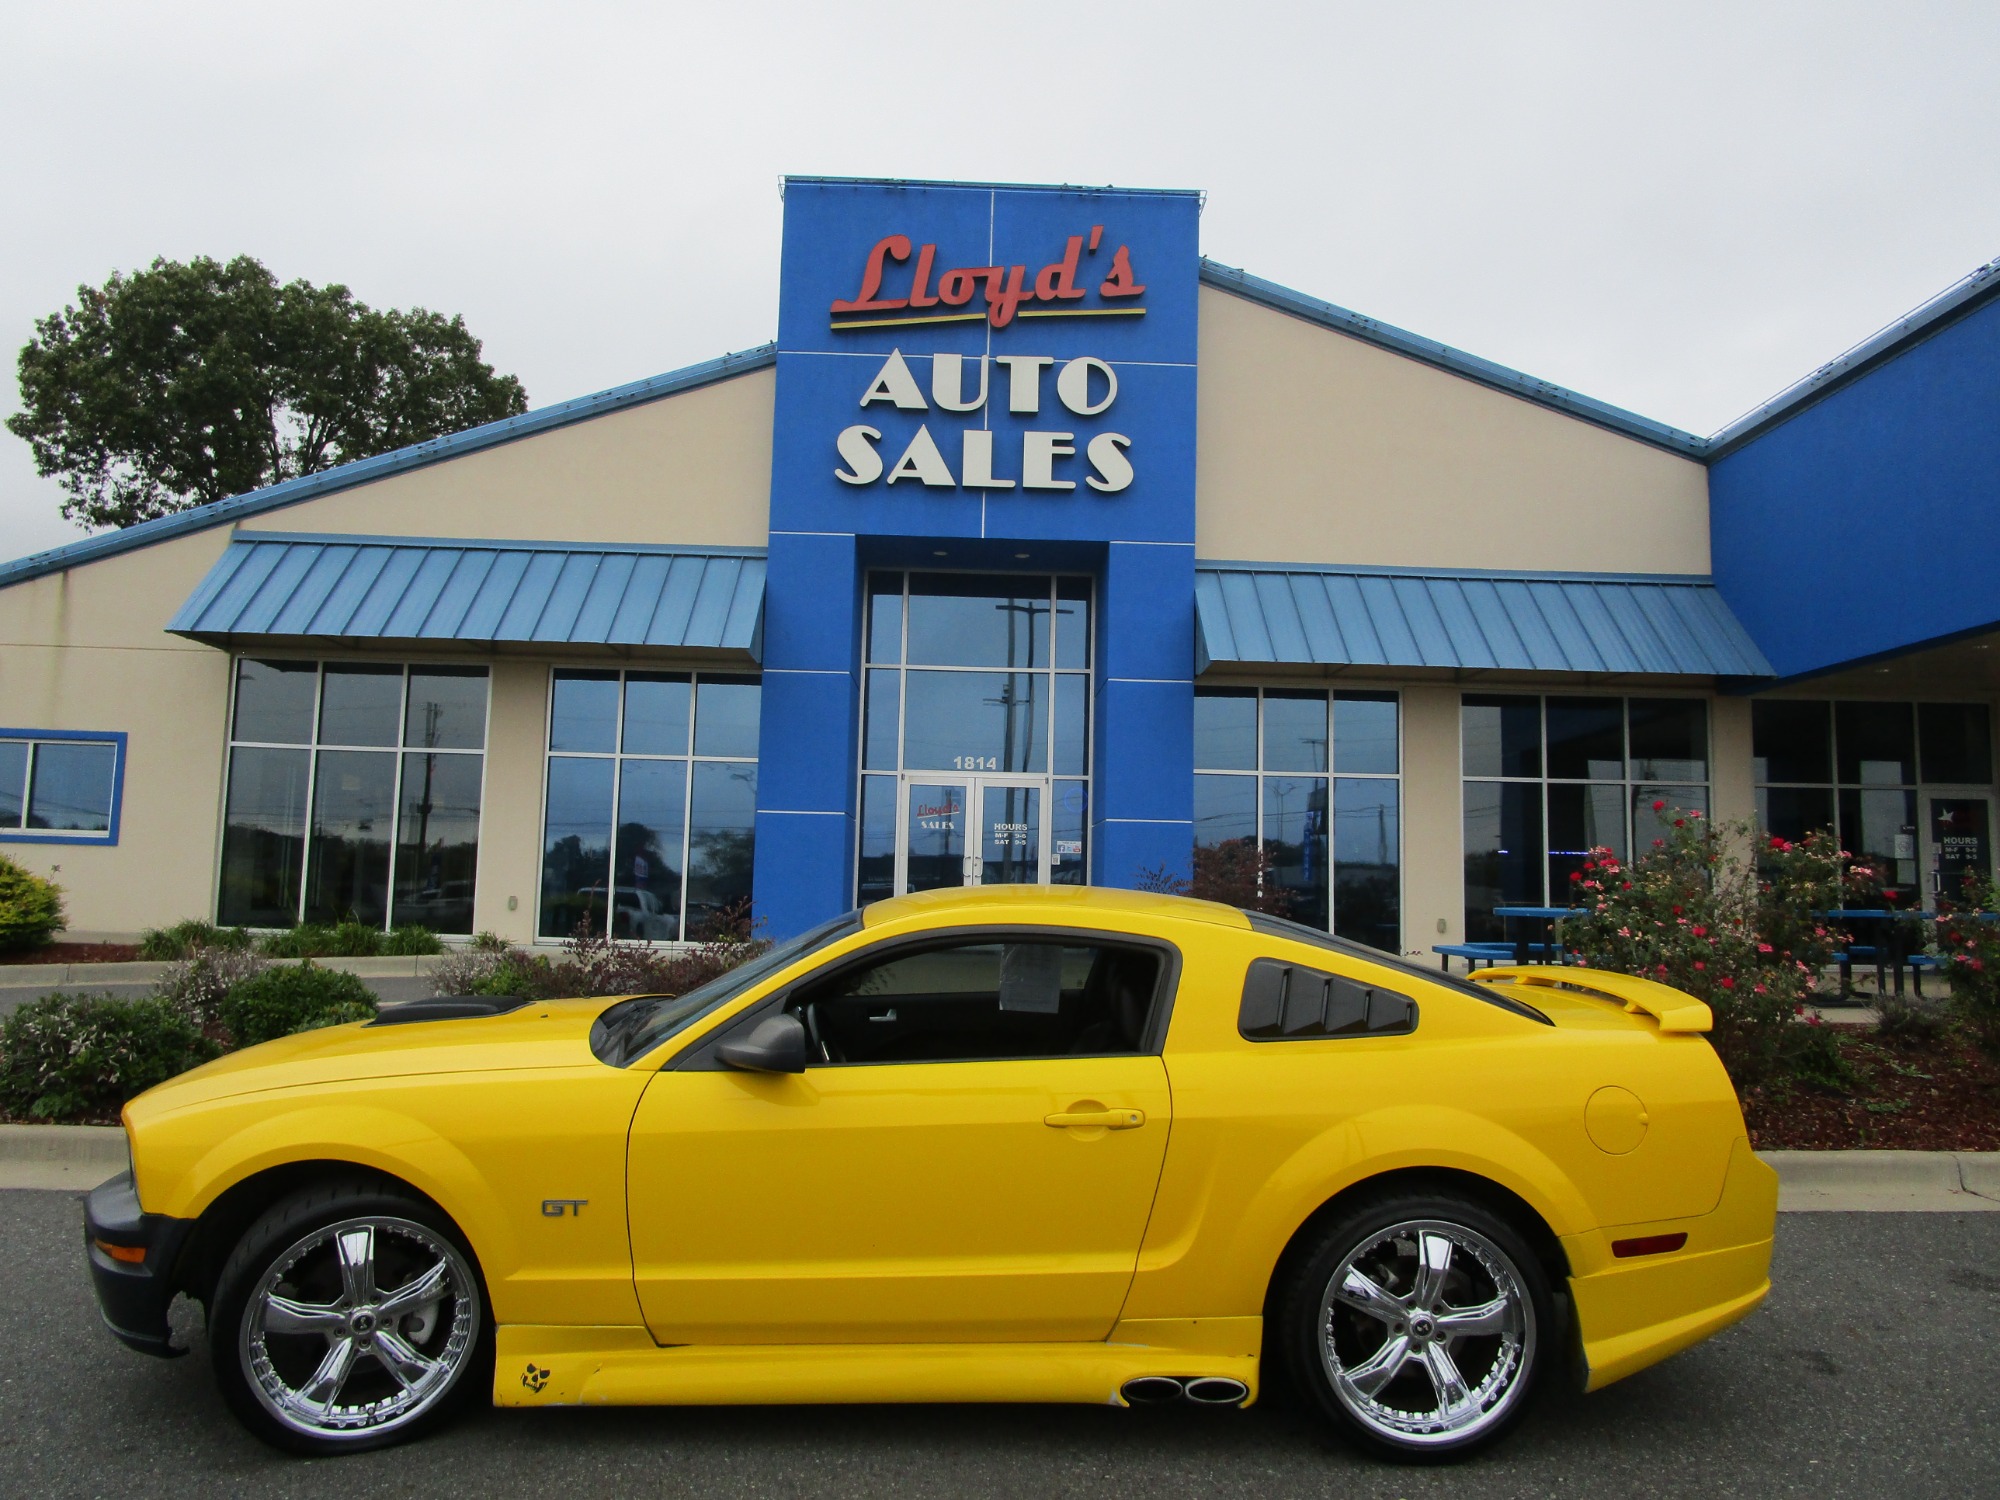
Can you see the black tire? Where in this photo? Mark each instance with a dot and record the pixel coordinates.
(1343, 1362)
(417, 1352)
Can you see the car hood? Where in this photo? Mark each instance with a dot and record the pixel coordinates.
(542, 1034)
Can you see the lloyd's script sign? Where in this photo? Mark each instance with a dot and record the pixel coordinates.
(1084, 386)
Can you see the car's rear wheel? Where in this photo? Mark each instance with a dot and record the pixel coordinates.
(349, 1317)
(1420, 1325)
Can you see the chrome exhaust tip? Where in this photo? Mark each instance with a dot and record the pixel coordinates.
(1151, 1390)
(1216, 1390)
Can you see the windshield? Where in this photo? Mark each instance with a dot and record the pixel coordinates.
(632, 1028)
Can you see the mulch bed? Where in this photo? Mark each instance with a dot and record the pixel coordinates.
(74, 953)
(1941, 1095)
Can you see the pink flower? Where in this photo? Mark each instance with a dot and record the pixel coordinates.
(1728, 983)
(1699, 964)
(1763, 947)
(1624, 932)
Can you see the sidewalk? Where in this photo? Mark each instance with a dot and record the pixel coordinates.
(76, 1158)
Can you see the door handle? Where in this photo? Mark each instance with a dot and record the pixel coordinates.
(1096, 1119)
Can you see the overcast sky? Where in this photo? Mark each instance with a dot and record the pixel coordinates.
(1676, 208)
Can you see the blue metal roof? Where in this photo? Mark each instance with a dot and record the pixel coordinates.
(540, 593)
(382, 465)
(1657, 625)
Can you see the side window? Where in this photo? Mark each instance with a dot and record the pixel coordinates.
(973, 1001)
(1288, 1002)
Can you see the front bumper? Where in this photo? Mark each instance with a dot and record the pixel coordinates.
(133, 1295)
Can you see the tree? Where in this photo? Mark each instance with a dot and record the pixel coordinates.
(183, 384)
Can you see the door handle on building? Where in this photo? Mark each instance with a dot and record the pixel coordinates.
(1096, 1119)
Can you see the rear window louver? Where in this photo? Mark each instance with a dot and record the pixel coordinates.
(1288, 1002)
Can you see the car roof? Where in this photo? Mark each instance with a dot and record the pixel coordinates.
(993, 902)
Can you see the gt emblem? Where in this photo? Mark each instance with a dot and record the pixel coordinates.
(534, 1377)
(555, 1208)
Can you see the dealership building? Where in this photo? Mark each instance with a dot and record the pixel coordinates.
(1037, 548)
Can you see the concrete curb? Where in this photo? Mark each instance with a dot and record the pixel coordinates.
(78, 1157)
(85, 976)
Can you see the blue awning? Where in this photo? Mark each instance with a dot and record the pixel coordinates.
(283, 585)
(1373, 617)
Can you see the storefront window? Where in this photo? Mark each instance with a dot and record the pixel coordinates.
(650, 825)
(1854, 768)
(1549, 779)
(354, 794)
(1310, 778)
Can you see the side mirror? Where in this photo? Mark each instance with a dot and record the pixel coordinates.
(776, 1044)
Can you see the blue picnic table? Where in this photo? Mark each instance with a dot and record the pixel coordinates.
(1525, 947)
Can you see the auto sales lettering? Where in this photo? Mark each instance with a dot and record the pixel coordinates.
(1040, 386)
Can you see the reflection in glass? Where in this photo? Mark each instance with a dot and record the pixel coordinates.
(263, 838)
(1225, 809)
(1295, 843)
(974, 620)
(437, 842)
(722, 841)
(1792, 812)
(583, 712)
(360, 704)
(725, 717)
(976, 721)
(274, 701)
(880, 722)
(1503, 853)
(656, 713)
(1957, 741)
(1791, 741)
(576, 846)
(73, 782)
(1503, 736)
(1881, 827)
(935, 836)
(885, 617)
(877, 880)
(652, 803)
(1072, 724)
(1650, 827)
(447, 709)
(1876, 744)
(1295, 730)
(1367, 844)
(354, 795)
(1225, 729)
(1010, 835)
(1073, 622)
(1581, 818)
(1069, 823)
(1586, 739)
(13, 781)
(1669, 739)
(1364, 733)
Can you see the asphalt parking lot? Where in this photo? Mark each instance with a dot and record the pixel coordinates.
(1873, 1370)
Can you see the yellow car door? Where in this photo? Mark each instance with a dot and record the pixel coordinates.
(969, 1154)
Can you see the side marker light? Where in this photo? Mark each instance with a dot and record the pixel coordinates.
(132, 1255)
(1652, 1244)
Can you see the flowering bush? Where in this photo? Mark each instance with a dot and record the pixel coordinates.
(1743, 935)
(591, 964)
(80, 1057)
(1968, 935)
(199, 984)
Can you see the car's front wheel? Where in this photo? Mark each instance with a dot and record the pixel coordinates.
(348, 1317)
(1420, 1325)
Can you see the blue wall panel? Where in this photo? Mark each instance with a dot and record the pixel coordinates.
(1870, 522)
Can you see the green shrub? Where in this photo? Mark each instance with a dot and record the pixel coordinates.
(409, 939)
(185, 939)
(198, 985)
(80, 1057)
(1968, 934)
(31, 909)
(323, 940)
(287, 999)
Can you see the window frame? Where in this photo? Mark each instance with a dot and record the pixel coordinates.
(617, 755)
(34, 738)
(1258, 774)
(313, 745)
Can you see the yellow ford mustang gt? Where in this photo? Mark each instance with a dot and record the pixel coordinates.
(1012, 1144)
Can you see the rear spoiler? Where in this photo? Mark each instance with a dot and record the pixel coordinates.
(1672, 1008)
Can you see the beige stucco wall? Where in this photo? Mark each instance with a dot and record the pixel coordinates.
(1433, 821)
(688, 470)
(1317, 447)
(510, 819)
(87, 650)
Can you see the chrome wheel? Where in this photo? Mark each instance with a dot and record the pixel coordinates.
(1427, 1332)
(359, 1327)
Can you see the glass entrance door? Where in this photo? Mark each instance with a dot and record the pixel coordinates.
(1958, 832)
(973, 830)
